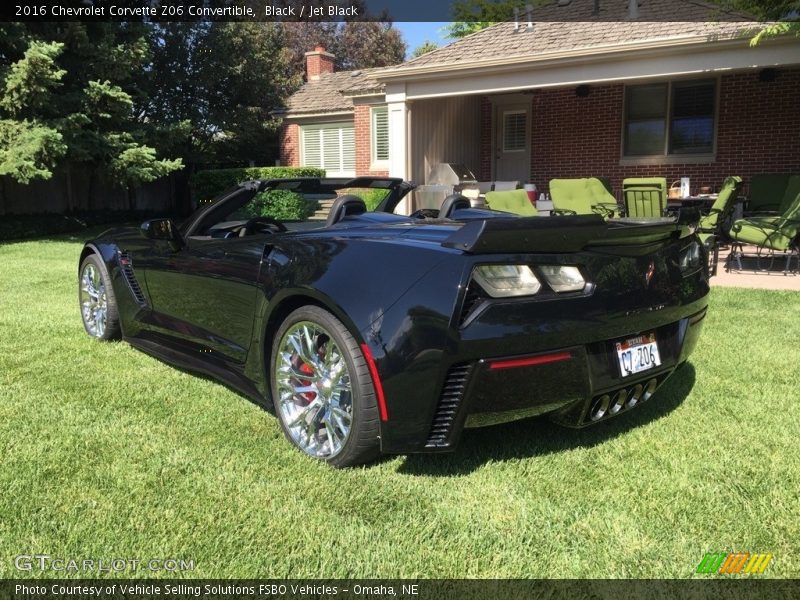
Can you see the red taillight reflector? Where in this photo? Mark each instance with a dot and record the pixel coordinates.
(376, 380)
(530, 361)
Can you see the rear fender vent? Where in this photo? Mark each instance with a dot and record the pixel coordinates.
(455, 384)
(126, 266)
(472, 299)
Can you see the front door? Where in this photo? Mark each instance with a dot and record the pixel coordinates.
(205, 293)
(512, 141)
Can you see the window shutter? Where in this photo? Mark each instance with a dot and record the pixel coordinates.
(312, 150)
(331, 156)
(330, 146)
(380, 133)
(348, 150)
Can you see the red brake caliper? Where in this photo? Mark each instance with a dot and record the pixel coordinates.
(304, 368)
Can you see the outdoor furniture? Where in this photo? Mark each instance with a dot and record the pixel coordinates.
(772, 193)
(511, 201)
(645, 196)
(710, 228)
(583, 196)
(770, 235)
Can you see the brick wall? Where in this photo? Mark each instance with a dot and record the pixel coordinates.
(363, 135)
(318, 62)
(290, 145)
(758, 132)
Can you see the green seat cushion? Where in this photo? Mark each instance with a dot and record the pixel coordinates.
(580, 195)
(645, 196)
(762, 234)
(511, 201)
(724, 203)
(658, 182)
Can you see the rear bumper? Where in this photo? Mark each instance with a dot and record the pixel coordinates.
(563, 381)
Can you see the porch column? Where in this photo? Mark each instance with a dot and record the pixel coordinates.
(398, 135)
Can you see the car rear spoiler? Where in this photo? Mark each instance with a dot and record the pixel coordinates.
(565, 233)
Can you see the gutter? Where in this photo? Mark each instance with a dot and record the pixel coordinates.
(662, 46)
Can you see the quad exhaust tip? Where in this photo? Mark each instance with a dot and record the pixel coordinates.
(619, 401)
(599, 407)
(634, 395)
(650, 389)
(605, 406)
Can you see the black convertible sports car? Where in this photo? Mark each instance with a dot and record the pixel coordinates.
(378, 332)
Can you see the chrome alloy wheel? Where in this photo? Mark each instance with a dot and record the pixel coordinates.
(94, 302)
(315, 396)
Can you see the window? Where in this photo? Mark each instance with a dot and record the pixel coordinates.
(675, 118)
(514, 127)
(331, 147)
(380, 134)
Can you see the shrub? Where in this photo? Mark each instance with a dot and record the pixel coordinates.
(283, 205)
(206, 185)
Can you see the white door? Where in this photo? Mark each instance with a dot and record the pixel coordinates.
(512, 142)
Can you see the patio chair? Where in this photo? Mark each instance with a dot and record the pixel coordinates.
(710, 228)
(511, 201)
(645, 196)
(771, 194)
(584, 196)
(770, 234)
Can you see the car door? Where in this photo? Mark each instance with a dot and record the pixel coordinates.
(205, 292)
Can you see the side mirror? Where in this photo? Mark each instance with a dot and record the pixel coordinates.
(162, 229)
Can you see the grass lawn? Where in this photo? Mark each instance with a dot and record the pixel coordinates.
(107, 453)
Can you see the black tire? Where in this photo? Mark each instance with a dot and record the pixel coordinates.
(110, 329)
(362, 443)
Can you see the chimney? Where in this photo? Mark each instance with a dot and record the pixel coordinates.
(317, 62)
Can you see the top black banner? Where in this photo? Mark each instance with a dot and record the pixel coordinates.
(364, 10)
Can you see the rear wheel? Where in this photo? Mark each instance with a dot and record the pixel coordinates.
(322, 389)
(97, 302)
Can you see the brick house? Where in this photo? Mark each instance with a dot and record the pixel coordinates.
(617, 99)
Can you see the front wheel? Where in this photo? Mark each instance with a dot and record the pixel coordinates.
(96, 298)
(322, 389)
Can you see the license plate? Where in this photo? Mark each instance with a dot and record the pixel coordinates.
(638, 354)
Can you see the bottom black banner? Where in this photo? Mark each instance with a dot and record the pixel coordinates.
(422, 589)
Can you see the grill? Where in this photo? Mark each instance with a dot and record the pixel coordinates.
(443, 180)
(449, 402)
(126, 266)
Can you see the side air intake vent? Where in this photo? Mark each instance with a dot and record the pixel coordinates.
(126, 266)
(449, 402)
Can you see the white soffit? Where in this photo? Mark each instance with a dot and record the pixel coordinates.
(560, 71)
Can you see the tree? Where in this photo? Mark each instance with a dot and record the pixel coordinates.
(424, 48)
(355, 44)
(474, 15)
(211, 87)
(29, 148)
(783, 15)
(68, 98)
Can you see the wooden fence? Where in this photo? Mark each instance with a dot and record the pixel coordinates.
(84, 190)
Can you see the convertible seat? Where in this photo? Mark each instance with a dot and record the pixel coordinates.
(511, 201)
(645, 196)
(451, 204)
(343, 206)
(583, 196)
